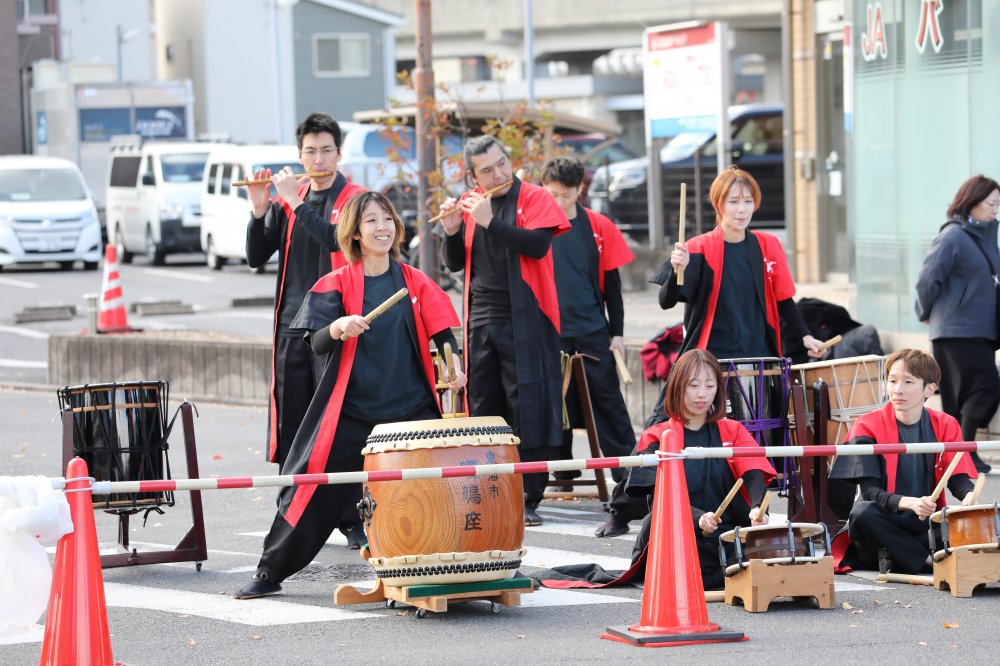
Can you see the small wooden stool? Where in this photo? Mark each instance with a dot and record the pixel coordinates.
(436, 598)
(965, 569)
(760, 583)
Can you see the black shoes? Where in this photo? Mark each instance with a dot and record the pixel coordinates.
(260, 586)
(885, 563)
(355, 534)
(614, 526)
(531, 517)
(982, 466)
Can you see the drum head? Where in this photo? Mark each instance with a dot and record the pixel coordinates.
(959, 510)
(437, 433)
(801, 529)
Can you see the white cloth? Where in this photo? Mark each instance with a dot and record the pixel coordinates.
(30, 509)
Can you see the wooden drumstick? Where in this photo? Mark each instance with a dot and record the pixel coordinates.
(389, 302)
(267, 181)
(680, 229)
(978, 488)
(725, 503)
(449, 361)
(911, 579)
(622, 370)
(764, 502)
(831, 342)
(944, 479)
(488, 192)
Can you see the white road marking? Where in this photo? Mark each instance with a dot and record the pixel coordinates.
(14, 363)
(543, 508)
(18, 283)
(583, 529)
(256, 612)
(26, 332)
(161, 325)
(180, 275)
(546, 558)
(545, 597)
(33, 635)
(243, 315)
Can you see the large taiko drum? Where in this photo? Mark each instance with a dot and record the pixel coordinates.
(786, 543)
(856, 385)
(973, 527)
(456, 530)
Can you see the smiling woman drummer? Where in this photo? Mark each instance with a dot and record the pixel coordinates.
(374, 373)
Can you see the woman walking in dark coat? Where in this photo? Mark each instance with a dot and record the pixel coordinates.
(956, 297)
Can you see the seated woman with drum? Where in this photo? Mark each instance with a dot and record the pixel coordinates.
(886, 528)
(374, 373)
(695, 405)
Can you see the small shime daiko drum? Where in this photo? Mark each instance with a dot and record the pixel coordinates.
(432, 531)
(757, 396)
(788, 543)
(777, 561)
(856, 385)
(973, 527)
(970, 554)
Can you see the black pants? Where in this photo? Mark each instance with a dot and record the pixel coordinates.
(296, 374)
(970, 386)
(288, 549)
(872, 526)
(493, 391)
(615, 435)
(713, 576)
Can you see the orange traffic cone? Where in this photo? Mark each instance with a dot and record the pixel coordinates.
(673, 597)
(76, 623)
(111, 316)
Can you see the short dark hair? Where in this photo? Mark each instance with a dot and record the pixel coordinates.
(316, 123)
(567, 171)
(479, 146)
(971, 193)
(680, 375)
(920, 364)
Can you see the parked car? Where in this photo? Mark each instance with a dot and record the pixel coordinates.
(594, 150)
(153, 202)
(225, 210)
(619, 190)
(46, 213)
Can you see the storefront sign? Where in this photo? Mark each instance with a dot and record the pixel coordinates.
(930, 25)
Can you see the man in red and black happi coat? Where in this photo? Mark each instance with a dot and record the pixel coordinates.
(300, 224)
(511, 312)
(884, 529)
(591, 311)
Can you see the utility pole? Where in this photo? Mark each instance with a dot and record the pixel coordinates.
(423, 81)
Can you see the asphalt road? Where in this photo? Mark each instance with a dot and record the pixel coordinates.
(168, 614)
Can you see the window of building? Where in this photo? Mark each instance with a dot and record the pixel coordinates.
(342, 54)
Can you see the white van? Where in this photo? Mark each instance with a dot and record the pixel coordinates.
(225, 210)
(46, 213)
(153, 202)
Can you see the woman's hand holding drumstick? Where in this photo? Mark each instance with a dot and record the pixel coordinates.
(921, 506)
(971, 498)
(709, 522)
(758, 516)
(352, 326)
(456, 379)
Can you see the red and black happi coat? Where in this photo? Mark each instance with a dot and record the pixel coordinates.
(428, 312)
(336, 261)
(534, 314)
(609, 249)
(703, 276)
(880, 427)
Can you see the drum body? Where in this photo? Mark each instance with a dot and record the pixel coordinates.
(971, 527)
(457, 530)
(757, 396)
(774, 544)
(856, 386)
(120, 430)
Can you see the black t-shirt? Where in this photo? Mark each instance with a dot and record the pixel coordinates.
(580, 310)
(914, 472)
(386, 379)
(489, 286)
(739, 329)
(307, 260)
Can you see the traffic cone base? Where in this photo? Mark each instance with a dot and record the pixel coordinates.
(631, 636)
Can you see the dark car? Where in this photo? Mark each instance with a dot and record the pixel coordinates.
(594, 150)
(620, 190)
